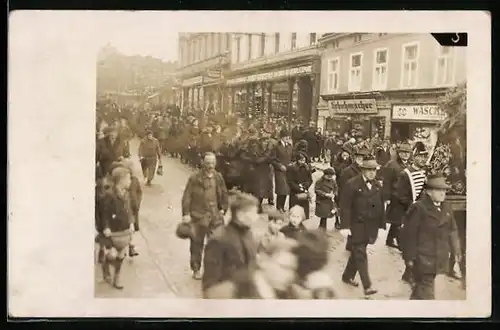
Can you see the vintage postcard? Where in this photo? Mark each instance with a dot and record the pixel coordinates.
(191, 164)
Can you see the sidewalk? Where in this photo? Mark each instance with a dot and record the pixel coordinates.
(141, 277)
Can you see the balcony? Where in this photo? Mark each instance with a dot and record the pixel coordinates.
(277, 58)
(203, 65)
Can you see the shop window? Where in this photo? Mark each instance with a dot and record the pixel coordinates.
(262, 44)
(276, 42)
(380, 69)
(312, 38)
(444, 66)
(410, 65)
(294, 41)
(333, 75)
(355, 72)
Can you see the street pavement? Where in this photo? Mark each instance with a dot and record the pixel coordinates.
(162, 268)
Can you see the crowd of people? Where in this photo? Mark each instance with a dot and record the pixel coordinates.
(240, 163)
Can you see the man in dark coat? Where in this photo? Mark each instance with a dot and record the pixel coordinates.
(383, 153)
(232, 248)
(297, 134)
(430, 235)
(362, 215)
(110, 149)
(390, 173)
(281, 158)
(312, 143)
(204, 202)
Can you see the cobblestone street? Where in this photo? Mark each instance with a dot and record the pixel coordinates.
(162, 268)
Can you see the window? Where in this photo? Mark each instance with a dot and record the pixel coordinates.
(312, 38)
(294, 41)
(355, 72)
(357, 38)
(444, 67)
(262, 44)
(380, 73)
(333, 75)
(276, 42)
(214, 44)
(219, 43)
(249, 38)
(382, 34)
(409, 69)
(205, 47)
(238, 49)
(228, 41)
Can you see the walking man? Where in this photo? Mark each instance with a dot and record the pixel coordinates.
(362, 215)
(281, 158)
(430, 235)
(150, 156)
(204, 203)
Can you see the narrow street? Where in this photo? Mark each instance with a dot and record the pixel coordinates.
(162, 268)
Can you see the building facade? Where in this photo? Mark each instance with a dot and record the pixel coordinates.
(386, 84)
(275, 75)
(203, 60)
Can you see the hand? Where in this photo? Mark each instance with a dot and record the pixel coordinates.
(282, 168)
(106, 232)
(345, 232)
(186, 219)
(409, 263)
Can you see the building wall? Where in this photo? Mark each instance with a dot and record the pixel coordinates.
(199, 47)
(428, 51)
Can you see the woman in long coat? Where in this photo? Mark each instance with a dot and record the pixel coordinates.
(325, 189)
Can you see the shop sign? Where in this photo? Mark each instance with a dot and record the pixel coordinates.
(192, 81)
(272, 75)
(418, 112)
(353, 106)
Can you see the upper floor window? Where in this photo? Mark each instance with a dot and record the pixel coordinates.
(312, 38)
(294, 41)
(382, 34)
(219, 43)
(333, 75)
(410, 65)
(228, 41)
(276, 42)
(380, 67)
(357, 38)
(356, 64)
(215, 44)
(262, 44)
(205, 47)
(249, 38)
(238, 49)
(444, 66)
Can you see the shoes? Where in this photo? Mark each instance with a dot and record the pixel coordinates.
(370, 291)
(197, 275)
(132, 251)
(351, 282)
(337, 225)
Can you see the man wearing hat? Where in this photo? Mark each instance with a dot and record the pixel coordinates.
(362, 214)
(430, 235)
(390, 173)
(281, 157)
(408, 187)
(110, 149)
(150, 155)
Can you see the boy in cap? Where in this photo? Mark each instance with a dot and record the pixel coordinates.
(431, 234)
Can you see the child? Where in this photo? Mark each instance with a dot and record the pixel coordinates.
(276, 221)
(296, 216)
(326, 190)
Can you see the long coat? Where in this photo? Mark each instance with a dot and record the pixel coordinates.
(281, 156)
(107, 152)
(362, 210)
(229, 250)
(401, 199)
(429, 235)
(194, 200)
(258, 159)
(299, 179)
(312, 143)
(348, 173)
(390, 173)
(383, 156)
(324, 204)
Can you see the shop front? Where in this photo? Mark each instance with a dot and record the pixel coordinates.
(203, 93)
(281, 93)
(356, 117)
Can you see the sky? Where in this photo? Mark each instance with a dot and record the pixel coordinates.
(139, 34)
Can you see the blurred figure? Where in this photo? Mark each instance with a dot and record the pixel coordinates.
(276, 222)
(150, 156)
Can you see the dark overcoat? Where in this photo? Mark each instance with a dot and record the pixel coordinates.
(401, 199)
(429, 235)
(362, 210)
(324, 204)
(390, 173)
(230, 249)
(299, 179)
(347, 173)
(281, 156)
(107, 152)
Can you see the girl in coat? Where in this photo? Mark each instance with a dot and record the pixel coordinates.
(299, 179)
(326, 189)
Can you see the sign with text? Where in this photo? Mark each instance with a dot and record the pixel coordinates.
(419, 112)
(353, 106)
(271, 75)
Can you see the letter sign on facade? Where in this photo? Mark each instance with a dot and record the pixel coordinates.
(353, 106)
(421, 112)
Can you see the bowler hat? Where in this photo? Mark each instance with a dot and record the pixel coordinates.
(370, 163)
(184, 231)
(405, 147)
(436, 181)
(329, 171)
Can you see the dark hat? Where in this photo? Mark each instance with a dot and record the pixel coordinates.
(419, 149)
(284, 133)
(436, 181)
(362, 152)
(185, 231)
(329, 171)
(370, 163)
(405, 147)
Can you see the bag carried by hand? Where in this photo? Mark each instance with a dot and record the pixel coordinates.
(159, 171)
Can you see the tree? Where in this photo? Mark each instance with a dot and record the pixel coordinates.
(454, 104)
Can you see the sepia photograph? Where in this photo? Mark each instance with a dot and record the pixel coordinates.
(193, 165)
(283, 166)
